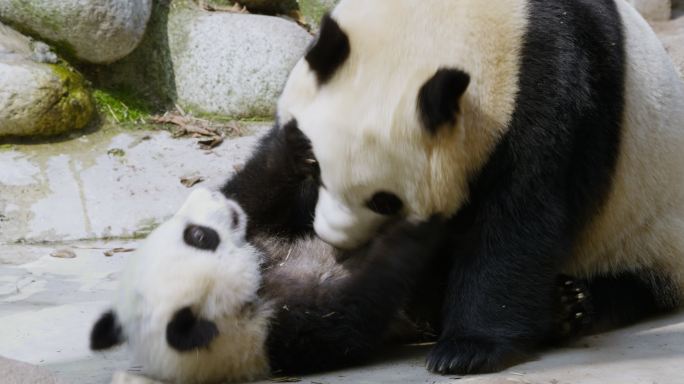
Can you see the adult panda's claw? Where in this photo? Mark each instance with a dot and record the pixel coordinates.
(574, 315)
(466, 356)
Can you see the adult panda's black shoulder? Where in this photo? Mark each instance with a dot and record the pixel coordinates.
(549, 132)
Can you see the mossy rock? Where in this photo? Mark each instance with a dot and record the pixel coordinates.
(42, 100)
(38, 99)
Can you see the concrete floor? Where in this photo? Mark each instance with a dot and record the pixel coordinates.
(82, 196)
(49, 305)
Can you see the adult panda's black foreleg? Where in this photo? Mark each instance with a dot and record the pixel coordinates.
(549, 174)
(278, 186)
(342, 322)
(502, 290)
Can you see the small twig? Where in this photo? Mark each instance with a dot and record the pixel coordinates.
(111, 252)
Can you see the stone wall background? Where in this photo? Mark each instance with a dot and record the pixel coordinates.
(82, 62)
(211, 58)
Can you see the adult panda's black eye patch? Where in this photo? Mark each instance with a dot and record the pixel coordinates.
(438, 98)
(201, 237)
(330, 50)
(385, 203)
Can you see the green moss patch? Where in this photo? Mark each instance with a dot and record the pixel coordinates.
(73, 110)
(121, 106)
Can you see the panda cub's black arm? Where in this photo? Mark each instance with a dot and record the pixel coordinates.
(342, 322)
(278, 186)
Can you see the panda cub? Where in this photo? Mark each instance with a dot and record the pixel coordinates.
(213, 294)
(200, 303)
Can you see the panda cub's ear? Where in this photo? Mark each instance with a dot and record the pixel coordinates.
(439, 97)
(238, 223)
(106, 332)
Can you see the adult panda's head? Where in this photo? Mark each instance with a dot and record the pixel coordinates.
(188, 306)
(390, 105)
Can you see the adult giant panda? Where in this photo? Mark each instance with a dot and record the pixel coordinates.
(549, 132)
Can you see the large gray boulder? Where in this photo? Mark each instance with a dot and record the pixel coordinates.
(232, 64)
(98, 31)
(38, 96)
(654, 10)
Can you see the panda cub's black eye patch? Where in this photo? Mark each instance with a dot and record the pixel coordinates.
(201, 237)
(385, 203)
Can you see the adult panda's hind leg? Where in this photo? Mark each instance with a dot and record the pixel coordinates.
(628, 297)
(602, 303)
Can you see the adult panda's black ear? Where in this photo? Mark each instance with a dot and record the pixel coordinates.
(439, 98)
(329, 51)
(106, 332)
(187, 332)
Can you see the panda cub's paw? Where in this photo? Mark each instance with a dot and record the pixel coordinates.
(574, 316)
(300, 152)
(468, 356)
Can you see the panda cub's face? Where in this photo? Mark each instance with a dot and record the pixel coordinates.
(188, 305)
(379, 105)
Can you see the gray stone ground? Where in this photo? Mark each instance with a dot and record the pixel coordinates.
(106, 189)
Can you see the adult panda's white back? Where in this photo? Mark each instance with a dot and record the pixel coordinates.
(641, 225)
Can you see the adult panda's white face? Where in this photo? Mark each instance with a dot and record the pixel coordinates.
(188, 306)
(393, 107)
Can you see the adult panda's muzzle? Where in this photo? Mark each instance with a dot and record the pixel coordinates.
(342, 226)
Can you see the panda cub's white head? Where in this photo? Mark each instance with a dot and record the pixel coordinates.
(188, 305)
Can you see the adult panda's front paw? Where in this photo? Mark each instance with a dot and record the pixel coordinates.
(467, 356)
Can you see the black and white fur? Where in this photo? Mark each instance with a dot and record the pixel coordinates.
(232, 288)
(216, 294)
(550, 133)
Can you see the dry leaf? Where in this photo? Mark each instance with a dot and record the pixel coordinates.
(63, 253)
(210, 134)
(191, 181)
(210, 143)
